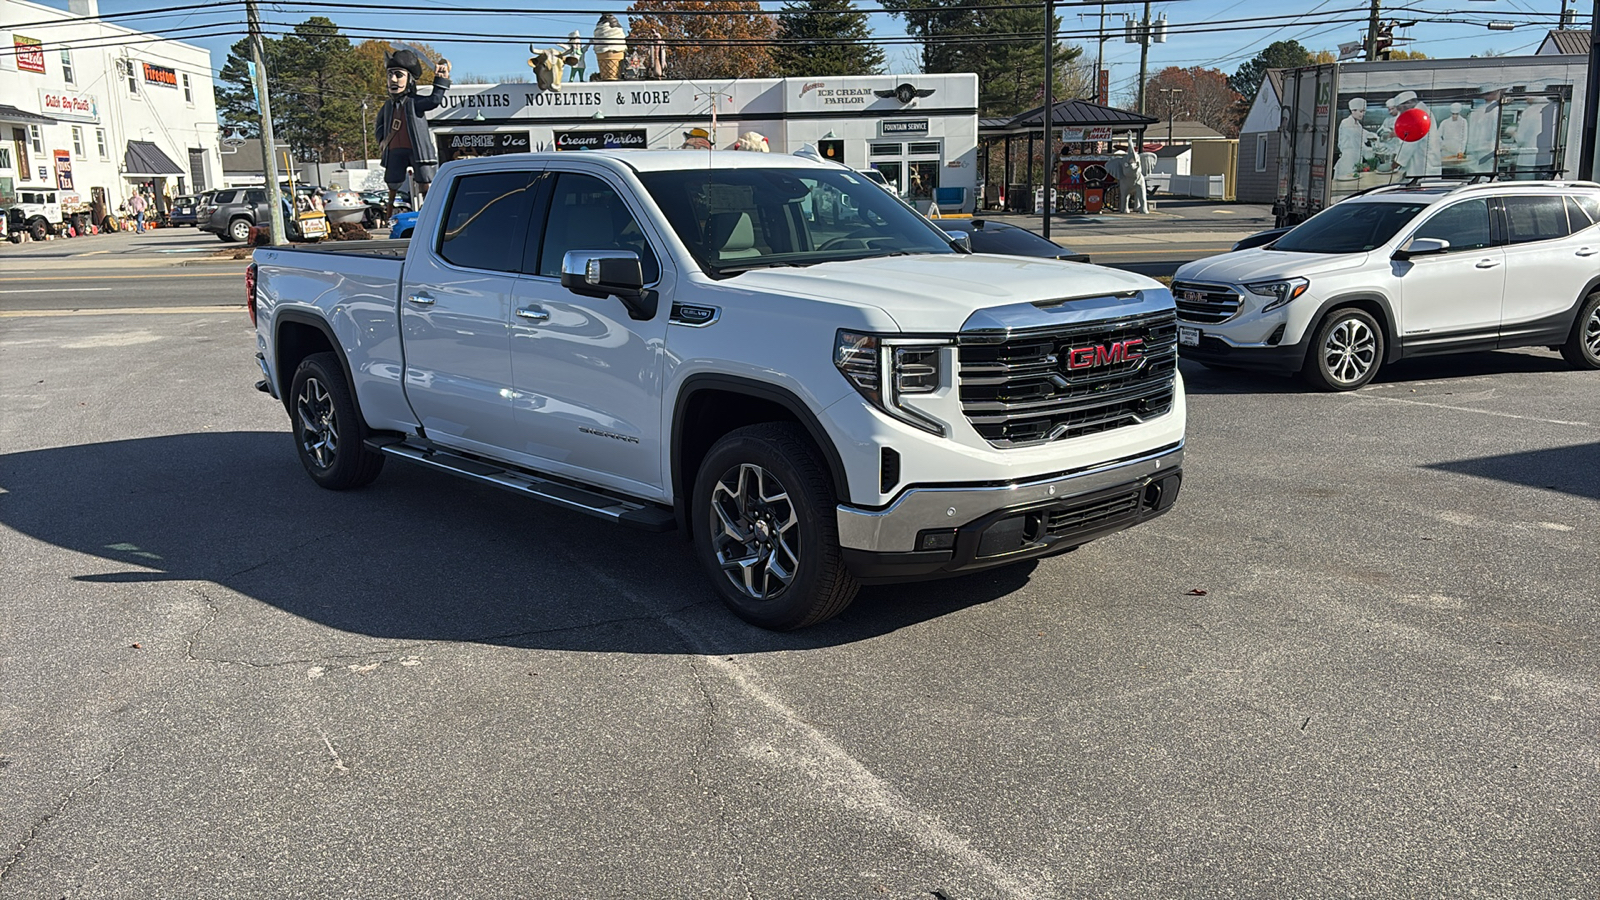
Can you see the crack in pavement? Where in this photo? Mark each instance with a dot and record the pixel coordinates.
(47, 818)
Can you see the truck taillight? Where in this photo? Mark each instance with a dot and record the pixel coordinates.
(250, 291)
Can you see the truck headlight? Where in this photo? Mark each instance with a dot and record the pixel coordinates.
(885, 369)
(1281, 292)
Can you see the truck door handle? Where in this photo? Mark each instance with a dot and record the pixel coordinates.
(420, 299)
(1488, 263)
(533, 314)
(1588, 251)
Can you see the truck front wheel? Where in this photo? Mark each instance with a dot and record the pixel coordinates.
(327, 428)
(766, 531)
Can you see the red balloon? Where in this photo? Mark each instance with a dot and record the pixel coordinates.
(1412, 125)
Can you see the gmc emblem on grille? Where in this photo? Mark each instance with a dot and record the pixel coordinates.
(1105, 354)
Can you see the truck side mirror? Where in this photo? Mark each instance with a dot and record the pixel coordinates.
(1421, 247)
(609, 273)
(961, 239)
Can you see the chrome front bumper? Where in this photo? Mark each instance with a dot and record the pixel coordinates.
(894, 528)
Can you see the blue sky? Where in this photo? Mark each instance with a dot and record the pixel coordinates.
(1231, 41)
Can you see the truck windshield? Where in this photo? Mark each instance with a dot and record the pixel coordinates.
(734, 220)
(1349, 228)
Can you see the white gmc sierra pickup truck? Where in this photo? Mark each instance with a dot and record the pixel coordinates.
(774, 354)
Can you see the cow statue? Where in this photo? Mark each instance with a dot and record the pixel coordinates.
(547, 67)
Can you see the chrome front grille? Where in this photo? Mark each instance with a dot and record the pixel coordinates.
(1207, 304)
(1025, 388)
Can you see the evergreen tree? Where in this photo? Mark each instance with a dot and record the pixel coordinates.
(1278, 55)
(819, 26)
(1009, 66)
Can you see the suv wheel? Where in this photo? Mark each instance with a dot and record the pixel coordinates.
(1346, 351)
(239, 230)
(1582, 348)
(765, 528)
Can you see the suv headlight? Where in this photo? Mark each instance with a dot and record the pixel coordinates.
(885, 369)
(1281, 292)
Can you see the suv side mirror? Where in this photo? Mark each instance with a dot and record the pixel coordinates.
(1421, 247)
(609, 273)
(961, 239)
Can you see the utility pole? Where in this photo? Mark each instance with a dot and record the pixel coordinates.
(1144, 52)
(1372, 33)
(269, 143)
(1050, 111)
(1171, 102)
(1588, 162)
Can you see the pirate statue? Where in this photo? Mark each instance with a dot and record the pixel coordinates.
(402, 126)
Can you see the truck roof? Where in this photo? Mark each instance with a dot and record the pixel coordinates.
(682, 160)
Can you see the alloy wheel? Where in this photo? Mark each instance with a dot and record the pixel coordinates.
(755, 531)
(1350, 351)
(319, 426)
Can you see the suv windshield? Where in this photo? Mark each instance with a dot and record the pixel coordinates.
(741, 219)
(1349, 228)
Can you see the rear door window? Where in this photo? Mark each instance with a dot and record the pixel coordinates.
(1465, 226)
(486, 222)
(1583, 211)
(1532, 219)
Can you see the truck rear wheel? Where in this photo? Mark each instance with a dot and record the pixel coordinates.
(766, 531)
(328, 430)
(1346, 351)
(1582, 349)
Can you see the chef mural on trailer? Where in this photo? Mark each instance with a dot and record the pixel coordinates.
(402, 126)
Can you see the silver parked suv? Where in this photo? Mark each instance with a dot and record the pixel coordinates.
(1411, 270)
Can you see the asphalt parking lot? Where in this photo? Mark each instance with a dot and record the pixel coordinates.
(1358, 659)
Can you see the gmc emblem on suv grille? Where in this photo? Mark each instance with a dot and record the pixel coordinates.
(1105, 354)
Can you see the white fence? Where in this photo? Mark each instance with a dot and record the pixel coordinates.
(1206, 187)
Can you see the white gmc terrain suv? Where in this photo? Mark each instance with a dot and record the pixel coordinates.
(1403, 271)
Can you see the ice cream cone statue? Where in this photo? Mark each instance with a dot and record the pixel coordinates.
(610, 45)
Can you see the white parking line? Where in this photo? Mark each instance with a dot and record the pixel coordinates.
(1486, 412)
(58, 291)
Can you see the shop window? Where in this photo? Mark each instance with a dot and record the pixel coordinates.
(66, 67)
(884, 149)
(100, 139)
(188, 90)
(77, 142)
(924, 147)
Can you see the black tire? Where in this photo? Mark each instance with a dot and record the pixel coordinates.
(1346, 351)
(238, 230)
(1582, 349)
(328, 431)
(776, 506)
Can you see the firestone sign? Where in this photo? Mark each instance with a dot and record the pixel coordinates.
(69, 106)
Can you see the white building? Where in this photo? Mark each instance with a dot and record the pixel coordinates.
(97, 110)
(920, 131)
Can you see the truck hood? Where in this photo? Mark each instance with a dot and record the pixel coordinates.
(1261, 264)
(939, 293)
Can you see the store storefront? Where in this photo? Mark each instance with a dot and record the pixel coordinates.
(920, 131)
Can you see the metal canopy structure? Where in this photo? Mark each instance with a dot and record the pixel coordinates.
(1084, 114)
(145, 159)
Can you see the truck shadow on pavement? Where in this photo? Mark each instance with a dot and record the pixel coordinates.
(1569, 470)
(1199, 379)
(417, 556)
